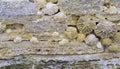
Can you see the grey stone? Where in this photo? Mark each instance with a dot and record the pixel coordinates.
(64, 61)
(87, 6)
(17, 8)
(45, 25)
(36, 25)
(80, 6)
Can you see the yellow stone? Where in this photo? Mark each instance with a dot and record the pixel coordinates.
(26, 36)
(8, 31)
(34, 40)
(13, 35)
(117, 37)
(114, 48)
(63, 42)
(71, 32)
(106, 41)
(112, 9)
(41, 3)
(80, 37)
(71, 52)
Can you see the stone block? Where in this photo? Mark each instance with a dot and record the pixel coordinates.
(17, 8)
(80, 6)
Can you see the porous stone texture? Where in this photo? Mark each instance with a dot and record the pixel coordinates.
(69, 34)
(89, 6)
(17, 8)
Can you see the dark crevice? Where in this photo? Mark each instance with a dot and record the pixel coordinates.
(31, 1)
(106, 18)
(57, 12)
(14, 26)
(118, 30)
(53, 14)
(96, 35)
(97, 23)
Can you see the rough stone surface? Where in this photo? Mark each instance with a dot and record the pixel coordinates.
(86, 6)
(17, 8)
(63, 61)
(82, 6)
(52, 49)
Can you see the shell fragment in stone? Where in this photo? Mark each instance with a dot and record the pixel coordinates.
(91, 39)
(105, 30)
(50, 9)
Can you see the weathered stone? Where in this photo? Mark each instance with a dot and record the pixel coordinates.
(80, 6)
(54, 1)
(89, 6)
(17, 39)
(42, 43)
(81, 37)
(105, 29)
(41, 3)
(50, 9)
(91, 40)
(37, 25)
(44, 47)
(104, 60)
(114, 48)
(116, 3)
(112, 17)
(34, 40)
(86, 24)
(18, 8)
(71, 32)
(106, 41)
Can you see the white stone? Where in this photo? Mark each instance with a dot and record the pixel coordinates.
(17, 39)
(50, 9)
(34, 40)
(39, 12)
(63, 41)
(55, 34)
(61, 16)
(8, 31)
(91, 39)
(47, 33)
(99, 45)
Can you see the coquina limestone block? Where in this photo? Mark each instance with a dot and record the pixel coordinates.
(89, 6)
(17, 8)
(32, 39)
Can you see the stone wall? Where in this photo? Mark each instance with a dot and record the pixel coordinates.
(59, 34)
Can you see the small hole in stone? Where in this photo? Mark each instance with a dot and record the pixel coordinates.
(14, 26)
(47, 50)
(38, 50)
(91, 19)
(31, 1)
(106, 5)
(9, 26)
(106, 18)
(118, 30)
(40, 8)
(97, 23)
